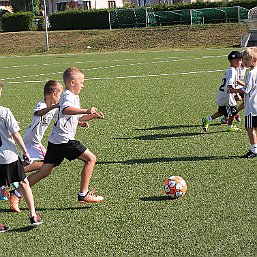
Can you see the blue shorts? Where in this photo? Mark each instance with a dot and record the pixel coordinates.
(56, 153)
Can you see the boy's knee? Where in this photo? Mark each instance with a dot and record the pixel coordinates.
(92, 158)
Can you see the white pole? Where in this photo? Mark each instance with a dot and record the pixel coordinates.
(46, 25)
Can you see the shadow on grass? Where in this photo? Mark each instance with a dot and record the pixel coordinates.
(170, 159)
(176, 126)
(156, 198)
(53, 209)
(170, 135)
(170, 127)
(23, 229)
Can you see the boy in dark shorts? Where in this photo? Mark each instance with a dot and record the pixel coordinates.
(62, 143)
(226, 101)
(11, 168)
(250, 99)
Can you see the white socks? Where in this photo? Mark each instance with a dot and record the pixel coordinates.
(254, 148)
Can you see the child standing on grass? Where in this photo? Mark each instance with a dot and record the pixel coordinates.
(62, 143)
(11, 168)
(250, 99)
(226, 100)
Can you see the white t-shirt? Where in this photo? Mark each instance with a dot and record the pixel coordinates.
(250, 90)
(229, 79)
(35, 132)
(8, 126)
(65, 126)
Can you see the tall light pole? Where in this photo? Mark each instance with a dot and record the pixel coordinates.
(46, 25)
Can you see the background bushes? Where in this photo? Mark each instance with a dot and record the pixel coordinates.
(78, 19)
(21, 21)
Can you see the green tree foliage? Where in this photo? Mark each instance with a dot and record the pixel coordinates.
(26, 6)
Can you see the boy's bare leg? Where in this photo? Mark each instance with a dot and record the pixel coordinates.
(34, 178)
(33, 166)
(252, 135)
(90, 159)
(43, 172)
(85, 195)
(27, 193)
(216, 115)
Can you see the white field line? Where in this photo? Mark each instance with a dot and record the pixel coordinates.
(127, 77)
(160, 60)
(166, 59)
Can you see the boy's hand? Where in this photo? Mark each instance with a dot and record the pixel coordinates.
(99, 115)
(83, 124)
(93, 110)
(26, 157)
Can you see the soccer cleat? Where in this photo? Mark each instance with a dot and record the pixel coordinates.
(14, 202)
(3, 228)
(3, 195)
(15, 185)
(249, 154)
(238, 118)
(233, 128)
(90, 197)
(205, 124)
(35, 220)
(224, 120)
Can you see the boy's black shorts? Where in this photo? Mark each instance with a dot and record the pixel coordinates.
(12, 172)
(250, 121)
(228, 110)
(56, 153)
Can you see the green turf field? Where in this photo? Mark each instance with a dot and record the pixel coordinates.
(153, 104)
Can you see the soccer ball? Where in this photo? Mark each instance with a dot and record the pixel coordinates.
(175, 187)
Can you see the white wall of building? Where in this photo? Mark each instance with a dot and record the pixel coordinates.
(52, 5)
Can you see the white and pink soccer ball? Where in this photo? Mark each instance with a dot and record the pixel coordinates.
(175, 187)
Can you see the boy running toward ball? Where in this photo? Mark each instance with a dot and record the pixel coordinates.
(225, 100)
(11, 168)
(62, 143)
(250, 99)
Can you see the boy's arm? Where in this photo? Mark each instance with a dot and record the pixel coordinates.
(239, 90)
(76, 111)
(86, 117)
(44, 111)
(241, 83)
(18, 139)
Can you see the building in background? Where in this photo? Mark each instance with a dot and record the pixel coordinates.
(5, 5)
(61, 5)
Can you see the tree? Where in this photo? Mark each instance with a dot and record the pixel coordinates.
(26, 6)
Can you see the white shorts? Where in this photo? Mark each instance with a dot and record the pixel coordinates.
(37, 152)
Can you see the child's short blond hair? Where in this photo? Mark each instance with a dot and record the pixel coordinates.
(70, 73)
(250, 53)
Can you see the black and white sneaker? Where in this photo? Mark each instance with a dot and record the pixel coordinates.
(36, 220)
(249, 154)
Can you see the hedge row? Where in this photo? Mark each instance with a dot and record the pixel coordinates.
(248, 4)
(98, 19)
(78, 19)
(21, 21)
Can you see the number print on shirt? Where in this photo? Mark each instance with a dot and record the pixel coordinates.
(223, 85)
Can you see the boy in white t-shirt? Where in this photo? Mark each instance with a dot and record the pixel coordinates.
(11, 168)
(225, 100)
(42, 116)
(62, 143)
(250, 99)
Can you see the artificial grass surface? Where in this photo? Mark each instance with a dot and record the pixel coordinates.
(153, 103)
